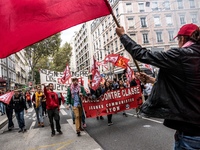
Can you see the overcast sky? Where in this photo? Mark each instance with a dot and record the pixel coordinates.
(66, 35)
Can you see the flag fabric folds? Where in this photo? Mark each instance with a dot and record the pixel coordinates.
(5, 98)
(66, 75)
(25, 22)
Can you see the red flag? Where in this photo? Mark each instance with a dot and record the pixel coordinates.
(111, 58)
(96, 80)
(5, 98)
(129, 74)
(66, 76)
(25, 22)
(102, 63)
(94, 66)
(121, 62)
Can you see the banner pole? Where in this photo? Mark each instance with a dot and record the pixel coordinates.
(118, 25)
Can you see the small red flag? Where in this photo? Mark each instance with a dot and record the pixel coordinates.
(66, 76)
(25, 22)
(122, 62)
(96, 80)
(5, 98)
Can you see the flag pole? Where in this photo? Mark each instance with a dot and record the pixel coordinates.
(118, 25)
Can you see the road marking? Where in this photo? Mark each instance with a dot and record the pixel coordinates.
(63, 112)
(32, 125)
(34, 115)
(146, 118)
(30, 109)
(62, 106)
(52, 145)
(152, 120)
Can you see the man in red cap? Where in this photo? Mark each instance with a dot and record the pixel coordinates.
(175, 95)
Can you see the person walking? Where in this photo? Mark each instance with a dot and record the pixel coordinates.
(74, 93)
(53, 108)
(39, 96)
(19, 105)
(175, 95)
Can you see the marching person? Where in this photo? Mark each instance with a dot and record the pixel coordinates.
(39, 96)
(175, 95)
(73, 98)
(19, 105)
(53, 107)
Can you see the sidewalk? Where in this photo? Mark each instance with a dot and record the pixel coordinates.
(40, 139)
(3, 120)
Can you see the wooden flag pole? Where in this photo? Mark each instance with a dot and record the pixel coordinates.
(118, 25)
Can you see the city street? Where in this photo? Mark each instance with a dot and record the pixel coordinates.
(127, 133)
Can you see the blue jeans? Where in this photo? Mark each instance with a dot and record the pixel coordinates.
(183, 142)
(2, 108)
(39, 114)
(20, 118)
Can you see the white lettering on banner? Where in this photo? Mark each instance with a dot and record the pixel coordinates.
(94, 107)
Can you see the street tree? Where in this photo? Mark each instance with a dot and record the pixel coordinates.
(47, 47)
(62, 57)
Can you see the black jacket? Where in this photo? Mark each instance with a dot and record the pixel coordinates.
(176, 92)
(18, 103)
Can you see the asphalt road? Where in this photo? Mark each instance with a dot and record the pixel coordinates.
(127, 133)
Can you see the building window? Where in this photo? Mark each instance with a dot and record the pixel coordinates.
(194, 18)
(141, 7)
(130, 22)
(192, 4)
(117, 12)
(157, 21)
(171, 35)
(182, 19)
(180, 4)
(159, 36)
(145, 38)
(166, 5)
(154, 6)
(143, 21)
(133, 36)
(129, 7)
(169, 20)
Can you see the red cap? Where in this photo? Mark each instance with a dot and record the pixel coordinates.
(187, 30)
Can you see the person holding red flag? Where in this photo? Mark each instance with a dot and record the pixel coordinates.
(175, 95)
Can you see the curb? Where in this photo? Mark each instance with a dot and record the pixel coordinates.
(3, 122)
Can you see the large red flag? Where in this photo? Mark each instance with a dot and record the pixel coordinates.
(25, 22)
(5, 98)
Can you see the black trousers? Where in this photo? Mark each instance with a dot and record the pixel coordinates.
(109, 118)
(54, 114)
(9, 113)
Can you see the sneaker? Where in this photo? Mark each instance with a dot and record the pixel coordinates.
(124, 114)
(84, 125)
(24, 130)
(97, 118)
(109, 124)
(60, 132)
(39, 124)
(20, 130)
(78, 133)
(52, 134)
(42, 124)
(101, 118)
(81, 129)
